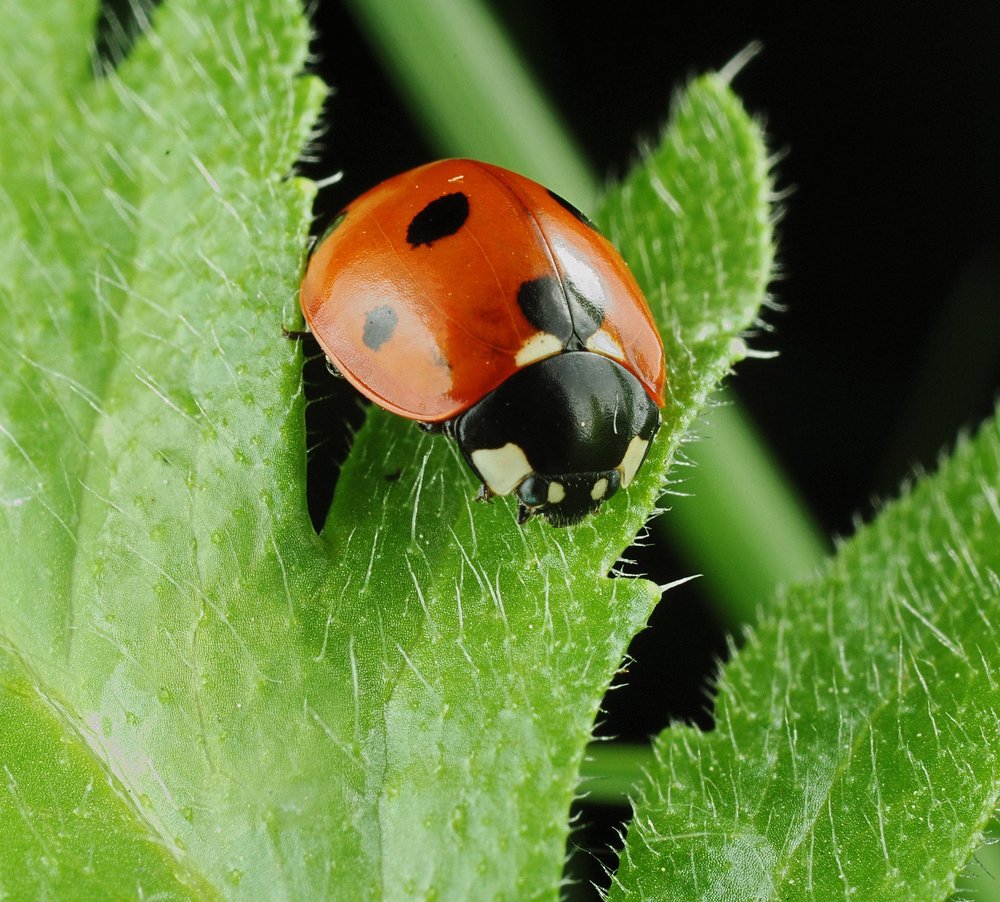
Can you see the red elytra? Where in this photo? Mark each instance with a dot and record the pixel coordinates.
(439, 284)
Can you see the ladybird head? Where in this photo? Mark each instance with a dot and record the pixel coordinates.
(565, 499)
(563, 434)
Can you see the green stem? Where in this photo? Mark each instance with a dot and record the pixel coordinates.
(745, 530)
(611, 770)
(471, 90)
(475, 97)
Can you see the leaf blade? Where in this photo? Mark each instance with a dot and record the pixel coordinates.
(146, 382)
(66, 831)
(797, 795)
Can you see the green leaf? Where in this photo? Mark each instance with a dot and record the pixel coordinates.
(694, 223)
(66, 831)
(398, 706)
(857, 746)
(150, 420)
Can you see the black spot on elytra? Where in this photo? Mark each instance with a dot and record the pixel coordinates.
(543, 302)
(569, 208)
(379, 326)
(587, 316)
(563, 312)
(439, 219)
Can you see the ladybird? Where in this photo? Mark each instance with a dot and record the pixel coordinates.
(479, 303)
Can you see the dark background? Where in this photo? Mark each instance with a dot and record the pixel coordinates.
(888, 123)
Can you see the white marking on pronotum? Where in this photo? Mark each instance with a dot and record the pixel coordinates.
(633, 457)
(602, 342)
(600, 487)
(556, 492)
(503, 468)
(541, 344)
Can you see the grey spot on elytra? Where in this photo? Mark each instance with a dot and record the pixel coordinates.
(379, 326)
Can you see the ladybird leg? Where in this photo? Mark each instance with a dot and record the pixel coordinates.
(485, 493)
(296, 334)
(445, 428)
(524, 513)
(302, 335)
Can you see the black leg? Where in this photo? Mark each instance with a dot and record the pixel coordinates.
(295, 334)
(441, 428)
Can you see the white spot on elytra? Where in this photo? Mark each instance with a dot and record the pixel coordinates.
(602, 342)
(599, 489)
(541, 344)
(634, 455)
(556, 492)
(503, 468)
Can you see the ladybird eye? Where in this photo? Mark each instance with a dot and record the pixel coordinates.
(533, 491)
